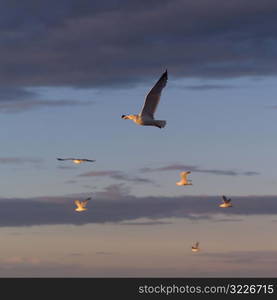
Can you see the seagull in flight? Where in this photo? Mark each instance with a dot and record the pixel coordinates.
(76, 160)
(146, 116)
(81, 205)
(226, 202)
(195, 248)
(184, 180)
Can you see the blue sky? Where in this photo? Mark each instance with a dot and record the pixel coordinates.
(227, 127)
(69, 70)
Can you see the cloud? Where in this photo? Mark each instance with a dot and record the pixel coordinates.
(15, 94)
(113, 191)
(48, 268)
(116, 205)
(205, 87)
(181, 167)
(146, 223)
(21, 260)
(228, 220)
(98, 173)
(68, 43)
(16, 107)
(19, 160)
(244, 257)
(18, 99)
(117, 175)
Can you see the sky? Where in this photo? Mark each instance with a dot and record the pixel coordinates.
(69, 70)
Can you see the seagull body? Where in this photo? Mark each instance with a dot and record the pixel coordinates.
(81, 205)
(226, 202)
(76, 160)
(195, 248)
(146, 116)
(184, 180)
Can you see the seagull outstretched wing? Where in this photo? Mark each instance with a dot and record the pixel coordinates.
(184, 175)
(77, 159)
(153, 98)
(65, 158)
(86, 201)
(225, 199)
(90, 160)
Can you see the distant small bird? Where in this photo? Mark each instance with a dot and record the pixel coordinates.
(195, 248)
(226, 202)
(76, 160)
(81, 205)
(184, 180)
(146, 116)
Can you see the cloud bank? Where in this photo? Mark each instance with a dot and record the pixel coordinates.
(96, 43)
(116, 205)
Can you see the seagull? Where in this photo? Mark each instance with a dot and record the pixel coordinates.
(81, 205)
(146, 116)
(76, 160)
(184, 180)
(195, 248)
(226, 202)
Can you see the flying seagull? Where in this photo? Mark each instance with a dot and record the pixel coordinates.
(195, 248)
(184, 180)
(146, 116)
(226, 202)
(81, 205)
(76, 160)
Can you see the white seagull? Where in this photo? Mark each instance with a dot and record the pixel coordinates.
(226, 202)
(195, 248)
(76, 160)
(184, 180)
(81, 205)
(146, 116)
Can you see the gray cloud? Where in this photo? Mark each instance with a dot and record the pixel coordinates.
(15, 107)
(20, 160)
(117, 205)
(114, 191)
(204, 87)
(96, 44)
(228, 220)
(181, 167)
(15, 94)
(117, 175)
(99, 173)
(18, 99)
(146, 223)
